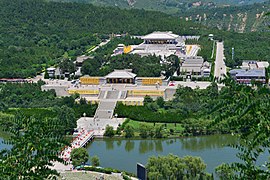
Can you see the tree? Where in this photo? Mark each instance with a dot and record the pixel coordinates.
(36, 143)
(160, 102)
(246, 110)
(66, 117)
(67, 65)
(147, 99)
(95, 161)
(224, 172)
(174, 167)
(129, 131)
(83, 101)
(3, 106)
(79, 156)
(109, 131)
(158, 131)
(194, 165)
(144, 130)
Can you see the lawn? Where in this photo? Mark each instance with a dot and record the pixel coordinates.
(176, 127)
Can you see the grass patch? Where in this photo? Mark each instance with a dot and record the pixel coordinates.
(175, 126)
(35, 112)
(170, 129)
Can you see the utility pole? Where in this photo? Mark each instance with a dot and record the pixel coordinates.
(232, 53)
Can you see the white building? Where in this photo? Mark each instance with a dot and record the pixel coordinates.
(158, 43)
(195, 66)
(253, 64)
(161, 44)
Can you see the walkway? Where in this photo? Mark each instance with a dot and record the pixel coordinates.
(220, 67)
(83, 137)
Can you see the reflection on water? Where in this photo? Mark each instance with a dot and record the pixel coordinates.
(209, 142)
(129, 145)
(118, 142)
(158, 145)
(190, 143)
(146, 146)
(109, 145)
(123, 154)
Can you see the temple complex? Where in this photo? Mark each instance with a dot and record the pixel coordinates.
(157, 43)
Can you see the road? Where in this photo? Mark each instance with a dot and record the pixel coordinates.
(101, 44)
(220, 67)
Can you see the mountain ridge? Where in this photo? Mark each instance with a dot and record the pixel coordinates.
(233, 15)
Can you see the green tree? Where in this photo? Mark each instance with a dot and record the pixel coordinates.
(147, 99)
(83, 101)
(109, 131)
(79, 156)
(129, 131)
(35, 146)
(95, 161)
(224, 172)
(66, 117)
(159, 131)
(194, 166)
(160, 102)
(67, 65)
(245, 109)
(144, 130)
(174, 167)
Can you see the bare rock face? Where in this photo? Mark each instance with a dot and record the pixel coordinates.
(131, 2)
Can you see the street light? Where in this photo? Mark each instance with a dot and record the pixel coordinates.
(84, 115)
(116, 116)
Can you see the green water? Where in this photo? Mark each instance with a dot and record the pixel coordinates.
(124, 154)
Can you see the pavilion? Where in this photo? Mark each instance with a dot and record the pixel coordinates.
(121, 77)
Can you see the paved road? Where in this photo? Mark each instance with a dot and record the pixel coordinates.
(220, 67)
(101, 44)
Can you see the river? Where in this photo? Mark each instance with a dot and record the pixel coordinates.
(123, 154)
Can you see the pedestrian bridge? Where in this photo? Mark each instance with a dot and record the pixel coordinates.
(81, 140)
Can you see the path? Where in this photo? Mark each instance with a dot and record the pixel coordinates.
(220, 67)
(101, 44)
(82, 138)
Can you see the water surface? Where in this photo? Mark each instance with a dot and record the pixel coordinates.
(123, 154)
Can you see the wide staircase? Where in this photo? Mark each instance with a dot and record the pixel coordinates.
(112, 94)
(108, 100)
(105, 109)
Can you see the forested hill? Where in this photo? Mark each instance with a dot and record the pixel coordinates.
(35, 33)
(231, 15)
(247, 18)
(167, 6)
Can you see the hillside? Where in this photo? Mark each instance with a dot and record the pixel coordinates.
(248, 18)
(231, 15)
(36, 34)
(158, 4)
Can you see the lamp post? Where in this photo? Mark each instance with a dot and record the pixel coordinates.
(116, 115)
(84, 115)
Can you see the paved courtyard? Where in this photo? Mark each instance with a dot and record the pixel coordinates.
(98, 125)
